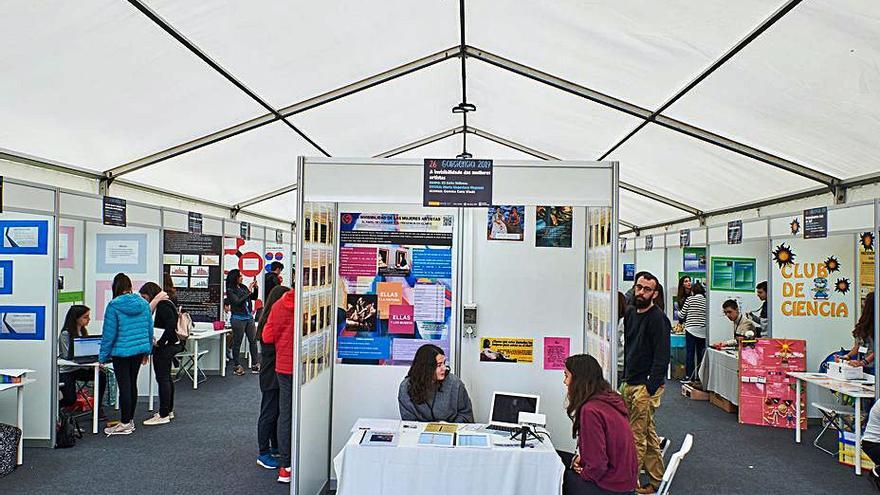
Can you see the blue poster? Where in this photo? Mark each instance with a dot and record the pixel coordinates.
(22, 322)
(629, 272)
(24, 237)
(432, 263)
(5, 276)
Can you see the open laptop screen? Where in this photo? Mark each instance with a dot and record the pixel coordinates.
(86, 346)
(506, 407)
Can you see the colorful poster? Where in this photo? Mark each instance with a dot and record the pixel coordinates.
(505, 223)
(244, 255)
(629, 272)
(22, 322)
(507, 350)
(694, 259)
(766, 394)
(198, 286)
(556, 351)
(866, 265)
(553, 226)
(395, 286)
(733, 274)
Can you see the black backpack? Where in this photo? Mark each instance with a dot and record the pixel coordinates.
(67, 432)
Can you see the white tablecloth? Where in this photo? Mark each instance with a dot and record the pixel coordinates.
(413, 469)
(719, 373)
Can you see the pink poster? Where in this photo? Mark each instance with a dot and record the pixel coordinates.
(766, 394)
(104, 294)
(556, 351)
(400, 319)
(357, 262)
(65, 246)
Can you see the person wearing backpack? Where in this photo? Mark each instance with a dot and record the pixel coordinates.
(127, 340)
(165, 348)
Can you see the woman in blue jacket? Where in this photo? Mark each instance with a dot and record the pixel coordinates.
(127, 341)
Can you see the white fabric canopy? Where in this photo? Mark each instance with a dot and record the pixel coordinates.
(98, 84)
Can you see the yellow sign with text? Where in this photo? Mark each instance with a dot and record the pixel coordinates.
(507, 350)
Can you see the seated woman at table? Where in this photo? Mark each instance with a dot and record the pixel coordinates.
(75, 323)
(607, 462)
(862, 353)
(430, 392)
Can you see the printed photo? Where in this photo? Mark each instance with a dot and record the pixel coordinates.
(199, 271)
(382, 258)
(178, 271)
(505, 223)
(180, 281)
(189, 259)
(211, 259)
(198, 282)
(361, 313)
(170, 259)
(553, 226)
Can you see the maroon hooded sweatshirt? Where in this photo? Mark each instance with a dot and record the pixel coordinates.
(606, 445)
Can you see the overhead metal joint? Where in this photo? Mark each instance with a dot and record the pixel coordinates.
(839, 192)
(265, 197)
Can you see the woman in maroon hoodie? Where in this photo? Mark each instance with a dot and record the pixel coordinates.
(606, 463)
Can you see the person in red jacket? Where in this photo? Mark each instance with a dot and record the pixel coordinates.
(279, 331)
(607, 461)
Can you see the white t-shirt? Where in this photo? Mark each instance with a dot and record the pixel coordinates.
(872, 430)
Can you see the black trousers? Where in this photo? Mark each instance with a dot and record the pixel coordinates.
(162, 359)
(285, 417)
(126, 369)
(695, 347)
(573, 484)
(81, 375)
(267, 425)
(872, 450)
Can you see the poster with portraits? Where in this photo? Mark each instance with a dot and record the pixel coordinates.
(505, 223)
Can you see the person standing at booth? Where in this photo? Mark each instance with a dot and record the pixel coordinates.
(267, 424)
(240, 298)
(127, 340)
(430, 392)
(279, 331)
(165, 347)
(694, 314)
(685, 289)
(607, 461)
(75, 323)
(646, 358)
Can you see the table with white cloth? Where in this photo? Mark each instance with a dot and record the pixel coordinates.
(411, 468)
(719, 373)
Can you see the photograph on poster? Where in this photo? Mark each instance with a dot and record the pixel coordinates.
(507, 350)
(24, 236)
(5, 277)
(553, 226)
(22, 322)
(121, 253)
(199, 271)
(382, 260)
(180, 281)
(198, 283)
(189, 259)
(694, 259)
(505, 223)
(179, 271)
(170, 259)
(210, 260)
(360, 313)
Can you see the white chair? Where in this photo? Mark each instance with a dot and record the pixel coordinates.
(674, 461)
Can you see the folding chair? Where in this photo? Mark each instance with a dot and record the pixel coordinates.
(187, 361)
(834, 418)
(674, 462)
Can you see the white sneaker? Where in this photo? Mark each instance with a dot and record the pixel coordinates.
(120, 429)
(171, 415)
(157, 420)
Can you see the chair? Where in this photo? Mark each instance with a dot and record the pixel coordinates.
(834, 417)
(674, 462)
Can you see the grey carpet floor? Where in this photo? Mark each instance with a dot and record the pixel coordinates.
(210, 449)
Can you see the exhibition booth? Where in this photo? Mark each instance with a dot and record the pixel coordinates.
(63, 247)
(508, 289)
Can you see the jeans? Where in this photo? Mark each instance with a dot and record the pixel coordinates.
(641, 419)
(81, 375)
(162, 358)
(872, 450)
(126, 369)
(267, 425)
(695, 347)
(285, 417)
(573, 484)
(239, 329)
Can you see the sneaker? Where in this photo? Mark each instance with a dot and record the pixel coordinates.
(874, 477)
(157, 420)
(274, 453)
(255, 369)
(120, 429)
(284, 475)
(171, 415)
(238, 370)
(267, 461)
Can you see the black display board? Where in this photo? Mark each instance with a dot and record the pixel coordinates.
(457, 183)
(194, 223)
(193, 262)
(649, 243)
(816, 223)
(684, 237)
(114, 212)
(735, 232)
(245, 231)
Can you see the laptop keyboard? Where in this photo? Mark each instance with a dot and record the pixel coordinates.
(508, 429)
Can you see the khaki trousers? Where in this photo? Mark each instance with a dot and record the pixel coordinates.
(641, 420)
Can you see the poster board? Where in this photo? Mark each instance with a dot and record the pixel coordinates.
(733, 274)
(317, 260)
(766, 394)
(193, 263)
(600, 321)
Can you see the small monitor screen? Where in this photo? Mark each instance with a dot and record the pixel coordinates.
(506, 408)
(86, 346)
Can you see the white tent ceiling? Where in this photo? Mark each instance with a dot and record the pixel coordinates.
(769, 98)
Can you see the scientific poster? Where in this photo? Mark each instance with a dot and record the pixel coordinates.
(22, 322)
(246, 256)
(317, 288)
(24, 237)
(553, 226)
(866, 265)
(198, 286)
(694, 259)
(126, 253)
(556, 351)
(766, 394)
(505, 223)
(395, 293)
(507, 350)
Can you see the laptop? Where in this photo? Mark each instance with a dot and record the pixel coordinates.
(506, 406)
(86, 349)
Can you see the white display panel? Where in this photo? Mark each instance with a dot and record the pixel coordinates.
(314, 418)
(31, 294)
(721, 328)
(27, 197)
(851, 218)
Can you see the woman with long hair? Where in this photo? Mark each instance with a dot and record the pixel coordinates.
(165, 347)
(862, 352)
(430, 392)
(695, 314)
(127, 340)
(75, 323)
(278, 331)
(685, 289)
(241, 298)
(606, 462)
(267, 424)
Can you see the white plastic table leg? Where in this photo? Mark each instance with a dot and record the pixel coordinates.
(95, 404)
(150, 383)
(222, 354)
(196, 364)
(797, 412)
(858, 428)
(19, 398)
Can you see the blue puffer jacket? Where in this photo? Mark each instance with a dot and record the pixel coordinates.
(128, 328)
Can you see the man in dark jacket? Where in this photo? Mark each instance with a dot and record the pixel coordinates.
(273, 277)
(646, 358)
